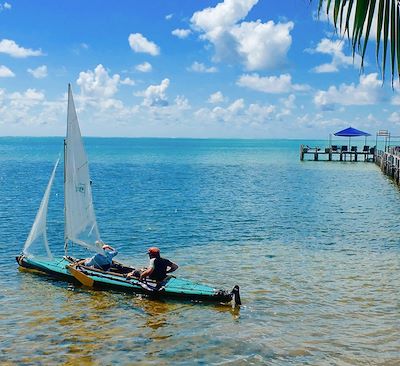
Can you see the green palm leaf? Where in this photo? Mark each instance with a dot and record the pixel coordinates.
(356, 19)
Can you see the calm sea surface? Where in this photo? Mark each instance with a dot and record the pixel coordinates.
(314, 246)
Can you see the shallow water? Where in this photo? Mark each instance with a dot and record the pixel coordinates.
(314, 246)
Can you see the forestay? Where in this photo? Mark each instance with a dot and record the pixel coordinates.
(80, 219)
(37, 238)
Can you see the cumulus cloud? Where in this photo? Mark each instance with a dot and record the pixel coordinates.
(141, 44)
(39, 73)
(169, 16)
(154, 95)
(127, 81)
(98, 87)
(5, 72)
(260, 113)
(5, 6)
(9, 47)
(20, 110)
(339, 59)
(394, 117)
(182, 103)
(289, 102)
(396, 100)
(216, 97)
(255, 44)
(368, 91)
(181, 33)
(29, 98)
(200, 67)
(237, 113)
(81, 47)
(270, 84)
(144, 67)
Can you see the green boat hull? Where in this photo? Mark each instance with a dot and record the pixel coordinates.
(172, 287)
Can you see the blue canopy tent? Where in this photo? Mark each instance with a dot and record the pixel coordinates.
(352, 132)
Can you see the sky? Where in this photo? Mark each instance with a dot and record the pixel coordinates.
(180, 68)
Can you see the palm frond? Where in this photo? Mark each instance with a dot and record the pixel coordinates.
(357, 18)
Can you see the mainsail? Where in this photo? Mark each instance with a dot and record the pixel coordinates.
(37, 238)
(80, 219)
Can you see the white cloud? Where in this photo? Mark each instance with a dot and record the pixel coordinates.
(98, 88)
(127, 81)
(368, 91)
(224, 15)
(289, 101)
(396, 100)
(394, 117)
(141, 44)
(228, 114)
(144, 67)
(339, 59)
(29, 98)
(169, 16)
(154, 95)
(39, 73)
(255, 44)
(5, 72)
(325, 68)
(263, 45)
(200, 67)
(270, 84)
(260, 113)
(10, 48)
(216, 97)
(237, 113)
(98, 83)
(182, 102)
(5, 6)
(181, 33)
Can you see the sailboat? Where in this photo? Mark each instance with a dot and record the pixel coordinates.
(81, 229)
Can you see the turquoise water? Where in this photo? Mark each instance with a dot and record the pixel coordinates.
(315, 247)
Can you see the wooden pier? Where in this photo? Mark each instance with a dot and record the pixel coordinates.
(338, 153)
(389, 162)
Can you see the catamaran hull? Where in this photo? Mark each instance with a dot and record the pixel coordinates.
(173, 288)
(57, 268)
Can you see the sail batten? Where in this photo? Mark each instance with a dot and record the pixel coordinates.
(80, 219)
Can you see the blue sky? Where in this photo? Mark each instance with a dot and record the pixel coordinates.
(233, 68)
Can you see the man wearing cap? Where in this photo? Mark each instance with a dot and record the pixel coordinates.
(103, 260)
(158, 267)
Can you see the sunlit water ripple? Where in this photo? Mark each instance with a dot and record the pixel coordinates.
(314, 246)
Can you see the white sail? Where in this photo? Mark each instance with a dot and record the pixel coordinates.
(37, 238)
(80, 219)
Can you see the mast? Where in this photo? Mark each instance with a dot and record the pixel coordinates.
(65, 177)
(65, 227)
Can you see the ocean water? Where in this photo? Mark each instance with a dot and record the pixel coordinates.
(314, 246)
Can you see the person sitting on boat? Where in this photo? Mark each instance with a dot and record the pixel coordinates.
(158, 267)
(103, 260)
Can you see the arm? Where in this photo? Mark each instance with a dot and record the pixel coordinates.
(172, 267)
(148, 271)
(109, 247)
